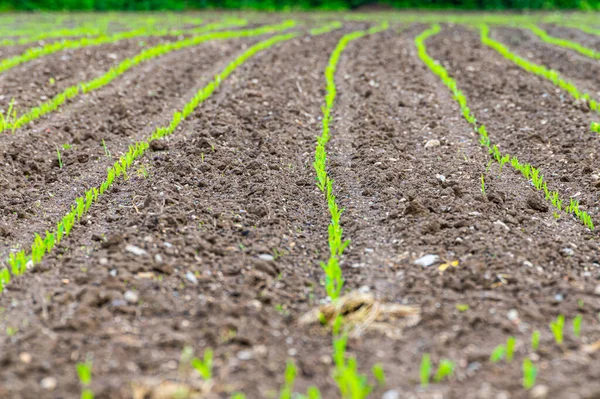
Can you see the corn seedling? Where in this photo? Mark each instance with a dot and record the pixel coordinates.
(379, 374)
(462, 307)
(106, 150)
(334, 281)
(7, 120)
(595, 126)
(540, 70)
(482, 184)
(577, 325)
(498, 354)
(425, 370)
(153, 52)
(326, 28)
(510, 348)
(557, 327)
(351, 384)
(19, 261)
(288, 385)
(60, 164)
(527, 170)
(204, 366)
(529, 374)
(445, 369)
(238, 395)
(535, 340)
(84, 372)
(543, 35)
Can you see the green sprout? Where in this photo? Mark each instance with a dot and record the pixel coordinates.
(577, 325)
(106, 151)
(529, 374)
(557, 328)
(425, 372)
(60, 164)
(238, 395)
(288, 385)
(84, 372)
(535, 340)
(445, 369)
(204, 366)
(498, 354)
(482, 184)
(510, 348)
(379, 374)
(462, 307)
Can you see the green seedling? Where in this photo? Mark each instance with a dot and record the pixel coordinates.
(425, 371)
(60, 164)
(106, 151)
(577, 325)
(51, 81)
(238, 395)
(595, 127)
(462, 307)
(288, 385)
(379, 374)
(204, 366)
(535, 340)
(8, 120)
(482, 184)
(67, 146)
(445, 369)
(84, 372)
(557, 327)
(498, 354)
(529, 374)
(510, 348)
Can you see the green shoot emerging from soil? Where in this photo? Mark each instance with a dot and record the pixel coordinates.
(595, 127)
(510, 348)
(106, 151)
(557, 327)
(379, 374)
(84, 372)
(577, 325)
(482, 184)
(529, 374)
(498, 354)
(204, 366)
(290, 377)
(535, 340)
(60, 164)
(425, 370)
(445, 369)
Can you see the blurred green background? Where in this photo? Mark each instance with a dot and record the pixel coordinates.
(103, 5)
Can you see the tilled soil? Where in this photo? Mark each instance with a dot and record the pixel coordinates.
(215, 237)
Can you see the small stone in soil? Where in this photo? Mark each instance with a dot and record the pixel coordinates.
(48, 383)
(391, 394)
(567, 251)
(432, 143)
(427, 260)
(266, 257)
(539, 392)
(245, 355)
(131, 296)
(191, 277)
(513, 315)
(113, 272)
(597, 290)
(135, 250)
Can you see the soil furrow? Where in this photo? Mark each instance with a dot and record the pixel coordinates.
(233, 186)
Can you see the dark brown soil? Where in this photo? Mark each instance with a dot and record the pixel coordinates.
(215, 238)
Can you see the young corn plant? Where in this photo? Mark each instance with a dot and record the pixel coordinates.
(84, 372)
(595, 127)
(557, 327)
(19, 262)
(445, 370)
(527, 170)
(535, 340)
(577, 325)
(530, 372)
(425, 370)
(204, 366)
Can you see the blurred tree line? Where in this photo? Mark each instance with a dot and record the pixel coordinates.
(102, 5)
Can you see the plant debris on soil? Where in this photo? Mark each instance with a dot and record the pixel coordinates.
(214, 239)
